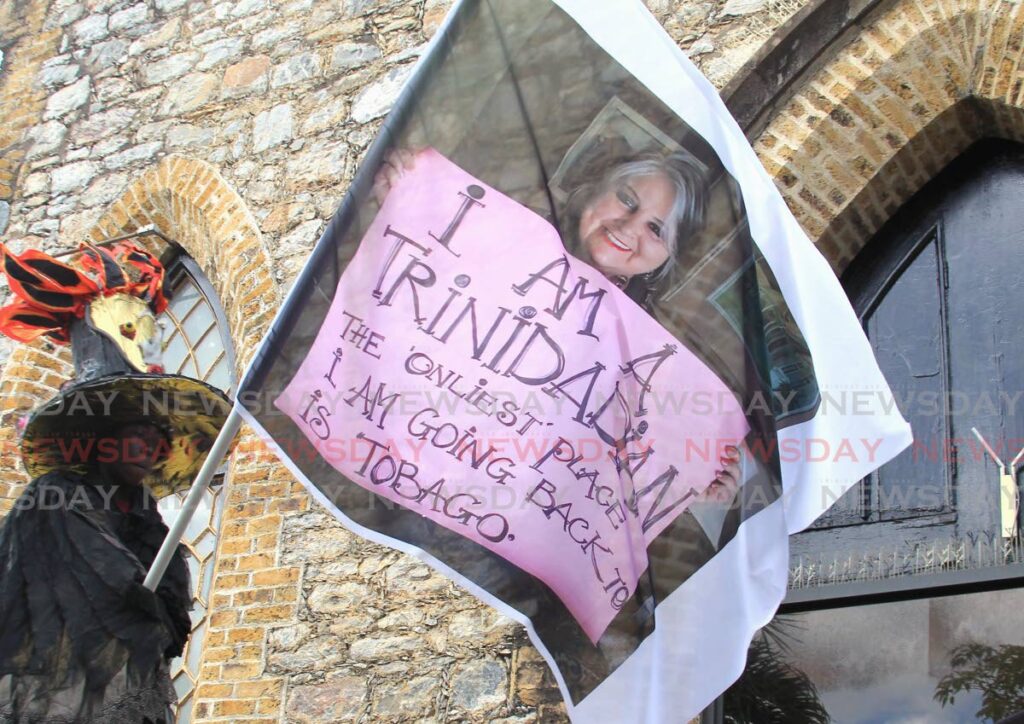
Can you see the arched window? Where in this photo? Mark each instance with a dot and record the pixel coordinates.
(196, 344)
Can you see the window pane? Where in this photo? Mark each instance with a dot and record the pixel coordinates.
(183, 298)
(205, 546)
(197, 526)
(175, 354)
(195, 652)
(910, 354)
(220, 375)
(207, 582)
(198, 323)
(185, 710)
(208, 351)
(193, 572)
(182, 685)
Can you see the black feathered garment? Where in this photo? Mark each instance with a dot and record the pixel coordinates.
(81, 639)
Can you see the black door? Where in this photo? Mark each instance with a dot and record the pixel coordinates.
(939, 294)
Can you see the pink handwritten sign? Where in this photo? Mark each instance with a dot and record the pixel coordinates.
(472, 371)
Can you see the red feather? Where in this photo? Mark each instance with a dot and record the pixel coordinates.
(151, 273)
(47, 283)
(24, 322)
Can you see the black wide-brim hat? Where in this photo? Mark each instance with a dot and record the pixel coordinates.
(74, 429)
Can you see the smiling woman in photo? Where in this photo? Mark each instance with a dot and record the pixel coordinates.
(630, 223)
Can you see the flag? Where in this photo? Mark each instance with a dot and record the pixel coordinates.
(564, 342)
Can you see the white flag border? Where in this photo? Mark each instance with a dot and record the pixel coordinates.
(719, 609)
(740, 593)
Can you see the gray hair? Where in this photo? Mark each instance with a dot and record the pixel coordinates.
(686, 215)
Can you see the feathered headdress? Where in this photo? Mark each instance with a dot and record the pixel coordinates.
(105, 305)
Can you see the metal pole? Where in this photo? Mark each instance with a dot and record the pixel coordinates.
(202, 482)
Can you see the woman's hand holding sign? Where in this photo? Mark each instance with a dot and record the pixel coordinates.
(723, 488)
(396, 163)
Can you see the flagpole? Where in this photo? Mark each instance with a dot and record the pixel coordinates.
(199, 486)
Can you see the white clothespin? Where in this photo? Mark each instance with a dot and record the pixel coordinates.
(1009, 496)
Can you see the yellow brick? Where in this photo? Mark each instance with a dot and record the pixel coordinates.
(218, 655)
(233, 529)
(268, 706)
(247, 634)
(229, 581)
(275, 576)
(255, 561)
(286, 595)
(249, 653)
(254, 595)
(233, 707)
(269, 490)
(222, 619)
(236, 545)
(265, 524)
(266, 614)
(235, 672)
(266, 542)
(262, 688)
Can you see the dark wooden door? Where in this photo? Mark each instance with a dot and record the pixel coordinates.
(940, 296)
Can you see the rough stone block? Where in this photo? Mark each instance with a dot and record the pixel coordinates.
(189, 93)
(46, 139)
(220, 51)
(377, 100)
(90, 29)
(275, 34)
(135, 154)
(169, 68)
(295, 70)
(327, 115)
(404, 698)
(334, 598)
(101, 125)
(57, 72)
(129, 18)
(320, 654)
(246, 76)
(340, 698)
(164, 36)
(68, 99)
(72, 177)
(385, 648)
(479, 686)
(353, 55)
(272, 128)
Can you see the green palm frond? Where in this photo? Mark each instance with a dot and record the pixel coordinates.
(772, 691)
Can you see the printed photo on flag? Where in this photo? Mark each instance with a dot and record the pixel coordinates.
(544, 347)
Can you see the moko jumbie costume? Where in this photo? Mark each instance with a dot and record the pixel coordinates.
(81, 639)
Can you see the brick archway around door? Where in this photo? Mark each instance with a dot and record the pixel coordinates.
(894, 97)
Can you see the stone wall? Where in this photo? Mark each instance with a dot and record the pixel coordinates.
(234, 128)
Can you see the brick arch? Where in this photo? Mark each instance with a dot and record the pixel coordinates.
(910, 90)
(189, 201)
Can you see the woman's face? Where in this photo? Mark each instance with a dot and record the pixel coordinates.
(621, 228)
